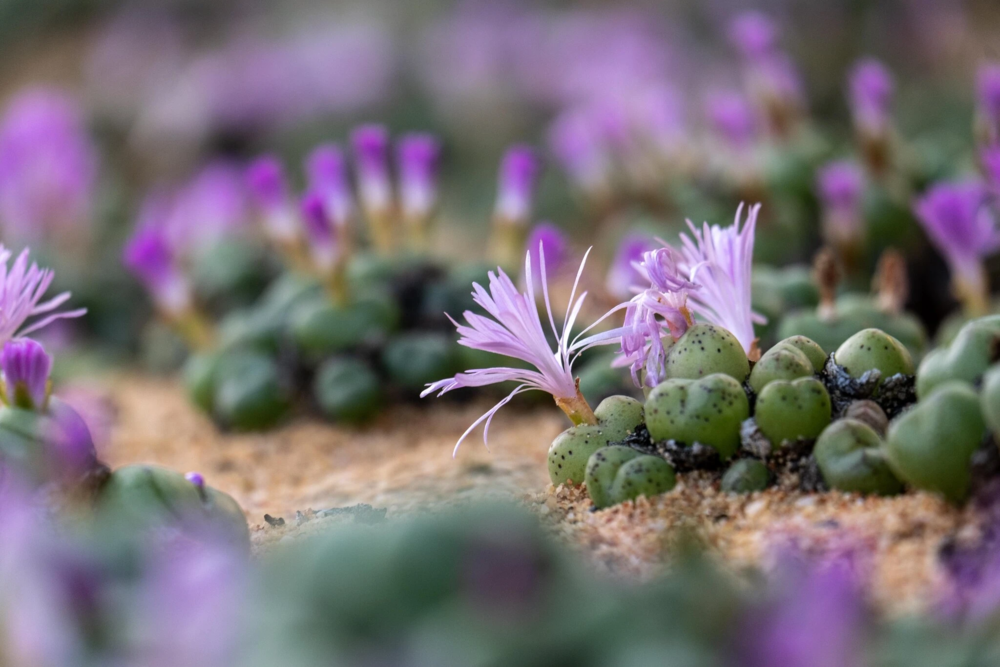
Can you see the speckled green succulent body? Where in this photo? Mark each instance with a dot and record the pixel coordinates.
(989, 400)
(570, 450)
(142, 495)
(249, 391)
(930, 446)
(975, 348)
(873, 349)
(602, 466)
(347, 390)
(709, 411)
(616, 474)
(850, 458)
(793, 410)
(808, 347)
(619, 416)
(705, 349)
(781, 362)
(746, 476)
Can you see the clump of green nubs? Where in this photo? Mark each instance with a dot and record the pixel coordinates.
(714, 398)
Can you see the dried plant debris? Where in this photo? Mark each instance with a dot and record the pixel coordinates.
(682, 457)
(894, 395)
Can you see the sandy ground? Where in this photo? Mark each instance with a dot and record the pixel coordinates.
(403, 463)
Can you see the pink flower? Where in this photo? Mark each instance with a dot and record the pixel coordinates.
(21, 290)
(662, 306)
(720, 262)
(514, 329)
(960, 225)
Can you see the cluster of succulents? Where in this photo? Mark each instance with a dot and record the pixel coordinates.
(864, 419)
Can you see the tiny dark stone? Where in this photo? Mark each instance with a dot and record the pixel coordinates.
(274, 522)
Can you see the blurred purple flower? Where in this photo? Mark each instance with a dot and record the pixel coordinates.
(22, 287)
(961, 226)
(870, 90)
(720, 261)
(753, 35)
(269, 192)
(657, 114)
(820, 620)
(370, 147)
(988, 99)
(417, 158)
(26, 368)
(517, 181)
(328, 176)
(733, 118)
(990, 159)
(623, 275)
(576, 141)
(841, 184)
(48, 166)
(513, 329)
(258, 83)
(210, 207)
(73, 452)
(550, 241)
(188, 604)
(320, 233)
(149, 257)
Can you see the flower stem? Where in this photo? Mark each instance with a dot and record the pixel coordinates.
(973, 293)
(577, 408)
(195, 329)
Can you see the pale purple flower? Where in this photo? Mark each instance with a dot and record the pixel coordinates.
(733, 118)
(320, 232)
(988, 98)
(870, 89)
(189, 602)
(518, 178)
(548, 240)
(576, 141)
(328, 176)
(73, 452)
(819, 621)
(660, 309)
(370, 147)
(417, 158)
(196, 478)
(514, 329)
(210, 207)
(961, 226)
(990, 159)
(841, 185)
(22, 287)
(624, 279)
(149, 257)
(720, 262)
(26, 369)
(48, 165)
(754, 35)
(269, 192)
(657, 114)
